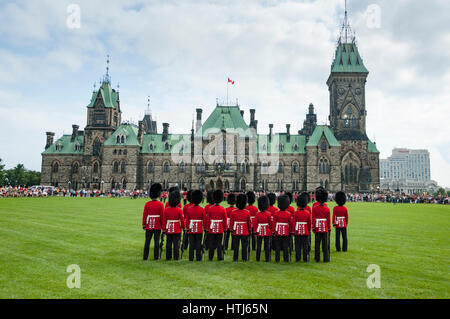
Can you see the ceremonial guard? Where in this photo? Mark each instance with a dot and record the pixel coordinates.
(241, 224)
(172, 189)
(231, 200)
(263, 223)
(321, 225)
(340, 221)
(251, 198)
(216, 222)
(195, 220)
(290, 209)
(301, 227)
(210, 201)
(173, 223)
(272, 199)
(280, 227)
(152, 219)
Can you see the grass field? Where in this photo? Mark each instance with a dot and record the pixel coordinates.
(40, 237)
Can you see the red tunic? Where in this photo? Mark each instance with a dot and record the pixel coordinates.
(153, 212)
(216, 219)
(301, 222)
(253, 210)
(229, 210)
(185, 209)
(280, 224)
(207, 209)
(317, 204)
(195, 219)
(173, 220)
(290, 209)
(340, 217)
(272, 209)
(321, 219)
(308, 208)
(263, 222)
(240, 222)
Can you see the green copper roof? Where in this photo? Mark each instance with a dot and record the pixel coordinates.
(320, 130)
(108, 94)
(224, 117)
(347, 59)
(153, 144)
(66, 145)
(296, 145)
(130, 131)
(372, 147)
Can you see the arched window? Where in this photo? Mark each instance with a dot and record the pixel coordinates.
(324, 166)
(150, 167)
(166, 167)
(75, 168)
(120, 152)
(77, 147)
(95, 168)
(150, 147)
(55, 167)
(321, 183)
(323, 146)
(202, 184)
(295, 147)
(280, 167)
(125, 152)
(166, 146)
(182, 167)
(118, 139)
(122, 139)
(123, 166)
(264, 168)
(326, 184)
(243, 184)
(295, 167)
(96, 147)
(116, 167)
(280, 147)
(58, 146)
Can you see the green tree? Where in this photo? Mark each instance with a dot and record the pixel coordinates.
(440, 191)
(32, 178)
(2, 173)
(16, 175)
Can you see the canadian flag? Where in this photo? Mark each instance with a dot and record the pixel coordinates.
(230, 81)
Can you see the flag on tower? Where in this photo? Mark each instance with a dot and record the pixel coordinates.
(230, 81)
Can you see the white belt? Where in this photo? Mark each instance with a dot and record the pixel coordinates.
(282, 224)
(320, 219)
(235, 224)
(192, 221)
(153, 216)
(299, 223)
(213, 221)
(260, 226)
(171, 221)
(340, 217)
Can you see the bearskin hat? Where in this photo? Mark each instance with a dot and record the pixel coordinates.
(209, 197)
(307, 195)
(173, 188)
(251, 197)
(340, 198)
(321, 195)
(197, 197)
(231, 199)
(241, 201)
(302, 200)
(189, 196)
(289, 194)
(272, 198)
(174, 198)
(283, 202)
(263, 203)
(217, 196)
(155, 190)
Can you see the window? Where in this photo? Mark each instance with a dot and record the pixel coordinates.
(77, 147)
(58, 147)
(280, 167)
(124, 152)
(166, 167)
(295, 167)
(75, 168)
(182, 167)
(120, 152)
(150, 147)
(115, 152)
(166, 146)
(118, 139)
(123, 167)
(95, 168)
(296, 147)
(96, 147)
(324, 166)
(323, 146)
(280, 147)
(116, 167)
(55, 167)
(122, 139)
(150, 167)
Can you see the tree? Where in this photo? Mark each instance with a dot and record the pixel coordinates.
(21, 176)
(440, 191)
(2, 173)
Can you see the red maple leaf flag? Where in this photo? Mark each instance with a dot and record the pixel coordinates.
(230, 81)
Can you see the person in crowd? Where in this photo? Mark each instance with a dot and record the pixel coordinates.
(340, 221)
(173, 222)
(152, 220)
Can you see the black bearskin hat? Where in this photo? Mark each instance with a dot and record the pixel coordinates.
(283, 202)
(189, 196)
(217, 196)
(340, 198)
(241, 201)
(263, 203)
(231, 199)
(321, 195)
(173, 188)
(289, 194)
(155, 190)
(174, 198)
(272, 198)
(251, 197)
(209, 197)
(197, 197)
(302, 200)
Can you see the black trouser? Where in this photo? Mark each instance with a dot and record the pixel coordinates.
(267, 250)
(148, 237)
(173, 240)
(215, 242)
(227, 239)
(321, 239)
(342, 231)
(253, 241)
(236, 240)
(195, 242)
(281, 243)
(329, 242)
(302, 244)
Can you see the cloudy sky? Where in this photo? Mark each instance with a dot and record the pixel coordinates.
(180, 53)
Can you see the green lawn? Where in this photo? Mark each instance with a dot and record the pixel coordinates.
(40, 237)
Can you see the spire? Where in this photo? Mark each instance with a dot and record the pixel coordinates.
(346, 35)
(107, 78)
(148, 112)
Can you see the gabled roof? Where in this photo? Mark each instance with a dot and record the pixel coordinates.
(176, 141)
(67, 146)
(277, 139)
(347, 59)
(129, 130)
(108, 94)
(319, 131)
(224, 117)
(372, 147)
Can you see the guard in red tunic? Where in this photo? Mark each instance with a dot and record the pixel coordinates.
(263, 229)
(240, 224)
(321, 225)
(251, 198)
(195, 223)
(301, 227)
(290, 209)
(152, 219)
(216, 221)
(280, 227)
(272, 200)
(173, 223)
(172, 189)
(340, 221)
(231, 200)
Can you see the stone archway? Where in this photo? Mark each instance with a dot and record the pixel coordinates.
(219, 184)
(350, 168)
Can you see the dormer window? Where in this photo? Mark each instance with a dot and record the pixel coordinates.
(264, 147)
(280, 147)
(58, 146)
(166, 146)
(323, 146)
(150, 147)
(295, 147)
(121, 139)
(77, 147)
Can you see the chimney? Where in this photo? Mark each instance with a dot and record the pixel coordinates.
(242, 113)
(50, 136)
(74, 132)
(140, 131)
(252, 115)
(270, 132)
(165, 131)
(288, 132)
(198, 124)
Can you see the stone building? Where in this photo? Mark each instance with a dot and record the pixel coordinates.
(224, 151)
